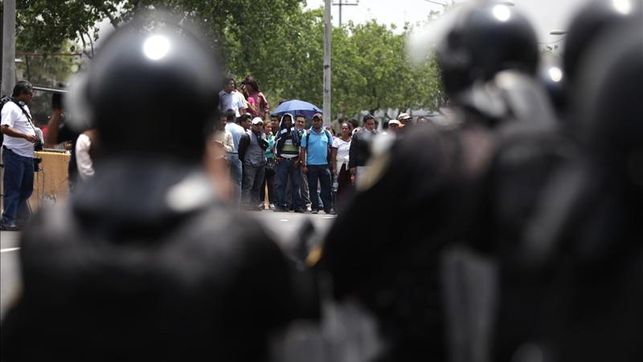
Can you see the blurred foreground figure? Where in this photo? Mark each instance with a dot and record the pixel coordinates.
(589, 233)
(459, 195)
(145, 263)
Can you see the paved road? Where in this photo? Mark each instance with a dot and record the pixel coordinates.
(285, 228)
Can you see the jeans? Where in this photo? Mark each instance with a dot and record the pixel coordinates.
(321, 174)
(269, 181)
(18, 186)
(287, 169)
(236, 172)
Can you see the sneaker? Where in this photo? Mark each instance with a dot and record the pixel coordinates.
(314, 212)
(272, 207)
(9, 227)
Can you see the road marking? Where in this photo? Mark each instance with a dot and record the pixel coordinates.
(8, 250)
(286, 220)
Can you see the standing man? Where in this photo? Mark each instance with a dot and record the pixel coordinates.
(252, 152)
(360, 150)
(236, 168)
(287, 153)
(300, 125)
(17, 154)
(230, 98)
(315, 147)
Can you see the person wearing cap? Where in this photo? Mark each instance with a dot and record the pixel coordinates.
(252, 153)
(394, 126)
(314, 153)
(360, 150)
(404, 119)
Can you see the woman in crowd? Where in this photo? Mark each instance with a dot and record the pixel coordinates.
(339, 155)
(269, 179)
(257, 102)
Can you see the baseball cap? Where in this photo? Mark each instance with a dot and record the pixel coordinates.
(318, 115)
(403, 116)
(257, 120)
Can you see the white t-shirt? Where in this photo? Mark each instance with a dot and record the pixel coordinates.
(83, 159)
(233, 100)
(13, 117)
(343, 148)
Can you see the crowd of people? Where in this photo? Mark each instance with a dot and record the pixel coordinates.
(511, 232)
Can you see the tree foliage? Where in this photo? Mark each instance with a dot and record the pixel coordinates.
(276, 41)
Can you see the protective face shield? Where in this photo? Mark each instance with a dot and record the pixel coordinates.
(152, 89)
(485, 39)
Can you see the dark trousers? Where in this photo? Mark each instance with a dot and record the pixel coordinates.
(252, 181)
(288, 170)
(319, 174)
(18, 186)
(269, 182)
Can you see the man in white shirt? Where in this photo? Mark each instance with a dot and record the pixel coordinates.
(20, 135)
(230, 98)
(236, 167)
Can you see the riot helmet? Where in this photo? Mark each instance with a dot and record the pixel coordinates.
(592, 20)
(485, 39)
(608, 111)
(152, 88)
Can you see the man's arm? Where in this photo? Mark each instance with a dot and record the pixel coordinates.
(333, 160)
(12, 132)
(302, 158)
(53, 126)
(243, 106)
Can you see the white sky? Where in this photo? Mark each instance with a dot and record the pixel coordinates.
(546, 15)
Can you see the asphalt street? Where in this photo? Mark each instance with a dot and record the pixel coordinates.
(286, 228)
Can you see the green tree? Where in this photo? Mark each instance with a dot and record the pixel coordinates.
(276, 41)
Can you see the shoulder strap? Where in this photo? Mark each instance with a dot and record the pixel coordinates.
(23, 111)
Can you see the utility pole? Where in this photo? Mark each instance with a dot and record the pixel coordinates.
(8, 46)
(341, 4)
(328, 32)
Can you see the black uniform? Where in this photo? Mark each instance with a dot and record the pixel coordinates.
(144, 263)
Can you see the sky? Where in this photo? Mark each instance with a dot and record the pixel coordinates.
(546, 15)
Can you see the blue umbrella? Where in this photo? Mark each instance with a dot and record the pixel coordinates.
(295, 107)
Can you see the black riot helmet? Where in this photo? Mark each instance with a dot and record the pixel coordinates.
(485, 39)
(595, 18)
(608, 112)
(152, 88)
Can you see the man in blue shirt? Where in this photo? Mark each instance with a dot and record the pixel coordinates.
(314, 152)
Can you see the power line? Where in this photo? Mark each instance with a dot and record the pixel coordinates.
(341, 4)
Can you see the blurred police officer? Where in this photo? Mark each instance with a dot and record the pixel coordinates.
(145, 263)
